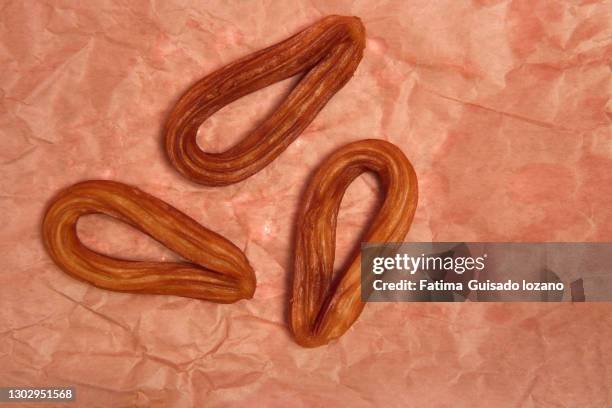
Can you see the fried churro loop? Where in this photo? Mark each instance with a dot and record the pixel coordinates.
(323, 309)
(215, 269)
(328, 52)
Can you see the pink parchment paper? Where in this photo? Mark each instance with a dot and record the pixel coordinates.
(502, 107)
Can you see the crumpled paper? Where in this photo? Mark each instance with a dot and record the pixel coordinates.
(502, 107)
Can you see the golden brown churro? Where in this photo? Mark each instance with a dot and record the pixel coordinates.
(217, 270)
(328, 52)
(322, 309)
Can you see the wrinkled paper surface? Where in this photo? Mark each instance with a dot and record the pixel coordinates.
(501, 106)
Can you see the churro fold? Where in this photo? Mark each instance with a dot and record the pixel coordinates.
(328, 53)
(214, 268)
(322, 306)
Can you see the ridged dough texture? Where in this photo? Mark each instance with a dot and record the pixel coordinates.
(214, 270)
(328, 52)
(324, 307)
